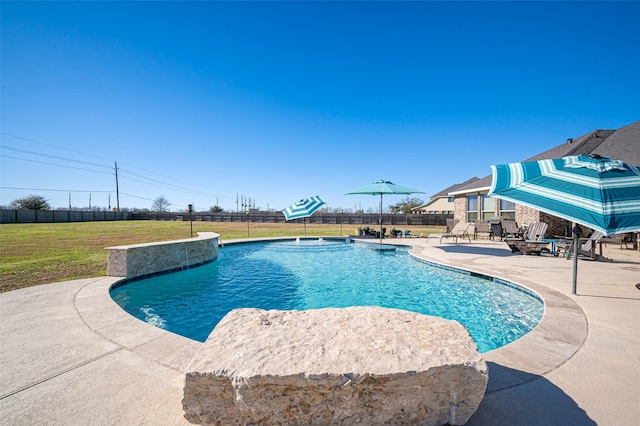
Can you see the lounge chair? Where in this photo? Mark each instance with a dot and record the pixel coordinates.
(460, 230)
(533, 240)
(588, 247)
(451, 223)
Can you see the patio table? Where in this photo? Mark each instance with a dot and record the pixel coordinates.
(553, 245)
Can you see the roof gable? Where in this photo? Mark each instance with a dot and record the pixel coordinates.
(455, 187)
(622, 144)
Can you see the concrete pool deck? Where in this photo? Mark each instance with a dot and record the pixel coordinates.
(70, 355)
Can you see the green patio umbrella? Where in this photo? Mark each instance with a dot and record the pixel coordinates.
(382, 187)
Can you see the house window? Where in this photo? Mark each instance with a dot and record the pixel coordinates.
(472, 208)
(488, 206)
(508, 209)
(451, 199)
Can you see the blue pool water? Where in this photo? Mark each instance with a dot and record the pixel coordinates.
(318, 274)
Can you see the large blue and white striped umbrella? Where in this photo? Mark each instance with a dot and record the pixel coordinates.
(598, 192)
(303, 208)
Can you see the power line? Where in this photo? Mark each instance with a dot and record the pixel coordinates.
(53, 164)
(165, 185)
(53, 190)
(173, 186)
(169, 185)
(54, 146)
(26, 151)
(104, 158)
(159, 183)
(136, 196)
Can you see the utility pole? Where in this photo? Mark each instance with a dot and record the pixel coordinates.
(117, 190)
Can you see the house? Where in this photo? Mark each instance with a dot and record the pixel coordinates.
(442, 202)
(471, 202)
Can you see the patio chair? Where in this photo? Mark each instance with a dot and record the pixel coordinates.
(460, 230)
(451, 223)
(533, 242)
(536, 231)
(621, 239)
(588, 247)
(481, 227)
(396, 233)
(510, 229)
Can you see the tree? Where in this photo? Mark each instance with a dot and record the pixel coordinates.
(216, 209)
(404, 206)
(32, 202)
(160, 204)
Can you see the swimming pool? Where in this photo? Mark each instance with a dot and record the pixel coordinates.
(313, 274)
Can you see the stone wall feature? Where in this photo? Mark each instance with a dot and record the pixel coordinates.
(150, 258)
(356, 365)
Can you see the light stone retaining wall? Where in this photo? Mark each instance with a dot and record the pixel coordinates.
(150, 258)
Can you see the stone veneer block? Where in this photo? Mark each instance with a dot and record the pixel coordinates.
(149, 258)
(365, 365)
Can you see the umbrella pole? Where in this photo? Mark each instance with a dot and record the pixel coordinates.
(304, 220)
(576, 241)
(380, 220)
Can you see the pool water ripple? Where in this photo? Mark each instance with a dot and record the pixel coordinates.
(318, 274)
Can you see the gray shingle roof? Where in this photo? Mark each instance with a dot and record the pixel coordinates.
(454, 188)
(622, 144)
(445, 192)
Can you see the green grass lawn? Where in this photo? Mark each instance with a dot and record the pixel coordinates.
(40, 253)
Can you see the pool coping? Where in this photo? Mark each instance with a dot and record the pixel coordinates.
(556, 339)
(560, 334)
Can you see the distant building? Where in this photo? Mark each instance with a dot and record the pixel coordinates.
(442, 202)
(472, 203)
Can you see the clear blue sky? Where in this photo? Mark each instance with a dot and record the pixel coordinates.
(200, 101)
